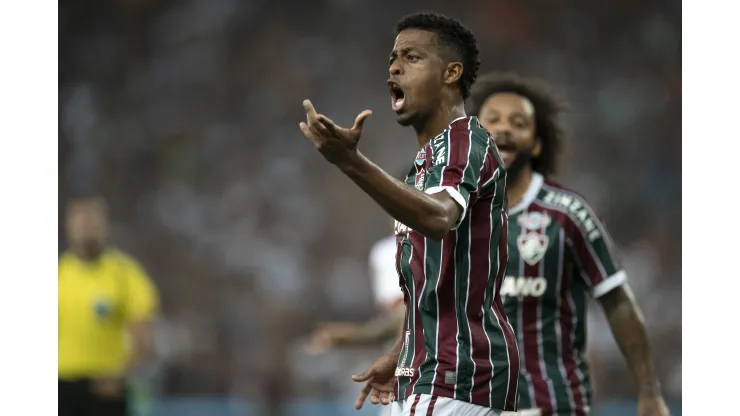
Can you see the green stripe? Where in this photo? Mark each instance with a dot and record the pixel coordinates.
(499, 352)
(429, 315)
(550, 321)
(408, 280)
(465, 367)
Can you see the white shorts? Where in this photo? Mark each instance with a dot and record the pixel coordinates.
(427, 405)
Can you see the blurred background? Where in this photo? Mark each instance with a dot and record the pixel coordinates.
(184, 114)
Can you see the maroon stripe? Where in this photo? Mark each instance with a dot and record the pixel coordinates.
(566, 330)
(417, 268)
(416, 403)
(446, 315)
(432, 402)
(498, 308)
(530, 337)
(580, 248)
(480, 236)
(459, 145)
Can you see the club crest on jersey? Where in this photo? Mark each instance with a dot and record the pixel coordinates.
(421, 157)
(532, 247)
(534, 220)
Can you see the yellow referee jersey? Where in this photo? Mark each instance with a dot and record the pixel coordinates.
(98, 301)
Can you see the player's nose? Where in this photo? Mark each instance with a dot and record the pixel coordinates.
(395, 68)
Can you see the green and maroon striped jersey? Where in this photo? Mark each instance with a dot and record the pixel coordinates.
(458, 342)
(559, 253)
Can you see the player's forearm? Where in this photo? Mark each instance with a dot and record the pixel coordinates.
(627, 325)
(424, 213)
(381, 328)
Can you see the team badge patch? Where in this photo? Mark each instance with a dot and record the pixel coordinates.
(532, 247)
(534, 220)
(421, 157)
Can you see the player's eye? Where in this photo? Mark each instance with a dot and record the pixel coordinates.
(412, 58)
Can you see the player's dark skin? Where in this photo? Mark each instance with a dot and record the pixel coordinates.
(510, 118)
(427, 76)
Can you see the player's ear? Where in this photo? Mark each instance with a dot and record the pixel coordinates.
(453, 72)
(537, 149)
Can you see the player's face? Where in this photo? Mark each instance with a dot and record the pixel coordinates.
(416, 75)
(509, 117)
(87, 227)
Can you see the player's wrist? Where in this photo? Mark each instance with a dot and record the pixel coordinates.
(649, 388)
(351, 163)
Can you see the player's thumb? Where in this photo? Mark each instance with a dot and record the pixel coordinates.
(364, 376)
(360, 120)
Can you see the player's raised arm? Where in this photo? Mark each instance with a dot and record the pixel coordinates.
(432, 215)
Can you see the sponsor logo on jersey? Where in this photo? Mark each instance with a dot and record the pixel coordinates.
(523, 286)
(534, 221)
(578, 212)
(532, 247)
(403, 371)
(437, 147)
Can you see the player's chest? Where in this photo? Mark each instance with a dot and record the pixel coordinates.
(88, 295)
(536, 244)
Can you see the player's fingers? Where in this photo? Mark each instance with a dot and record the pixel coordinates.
(309, 134)
(362, 396)
(326, 122)
(360, 120)
(385, 397)
(375, 396)
(308, 107)
(364, 376)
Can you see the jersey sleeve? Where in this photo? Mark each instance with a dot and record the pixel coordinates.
(383, 274)
(594, 251)
(141, 296)
(458, 160)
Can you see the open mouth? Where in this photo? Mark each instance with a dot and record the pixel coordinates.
(506, 149)
(397, 96)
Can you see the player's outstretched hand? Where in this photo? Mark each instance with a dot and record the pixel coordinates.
(337, 144)
(380, 382)
(652, 405)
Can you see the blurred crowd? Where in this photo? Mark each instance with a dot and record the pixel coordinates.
(185, 114)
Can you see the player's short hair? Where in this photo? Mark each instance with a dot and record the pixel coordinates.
(548, 108)
(452, 35)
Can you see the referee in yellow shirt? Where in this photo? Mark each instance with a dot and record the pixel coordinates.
(106, 304)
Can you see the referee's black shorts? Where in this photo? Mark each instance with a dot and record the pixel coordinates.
(76, 398)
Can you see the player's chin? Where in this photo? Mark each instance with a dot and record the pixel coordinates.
(404, 119)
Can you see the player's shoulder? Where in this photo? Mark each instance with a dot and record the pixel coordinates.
(122, 258)
(465, 129)
(555, 193)
(66, 258)
(572, 203)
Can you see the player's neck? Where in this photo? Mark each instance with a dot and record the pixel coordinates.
(515, 190)
(433, 126)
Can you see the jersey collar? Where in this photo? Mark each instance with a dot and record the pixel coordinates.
(534, 188)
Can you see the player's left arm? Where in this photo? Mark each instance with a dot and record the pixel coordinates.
(141, 308)
(607, 280)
